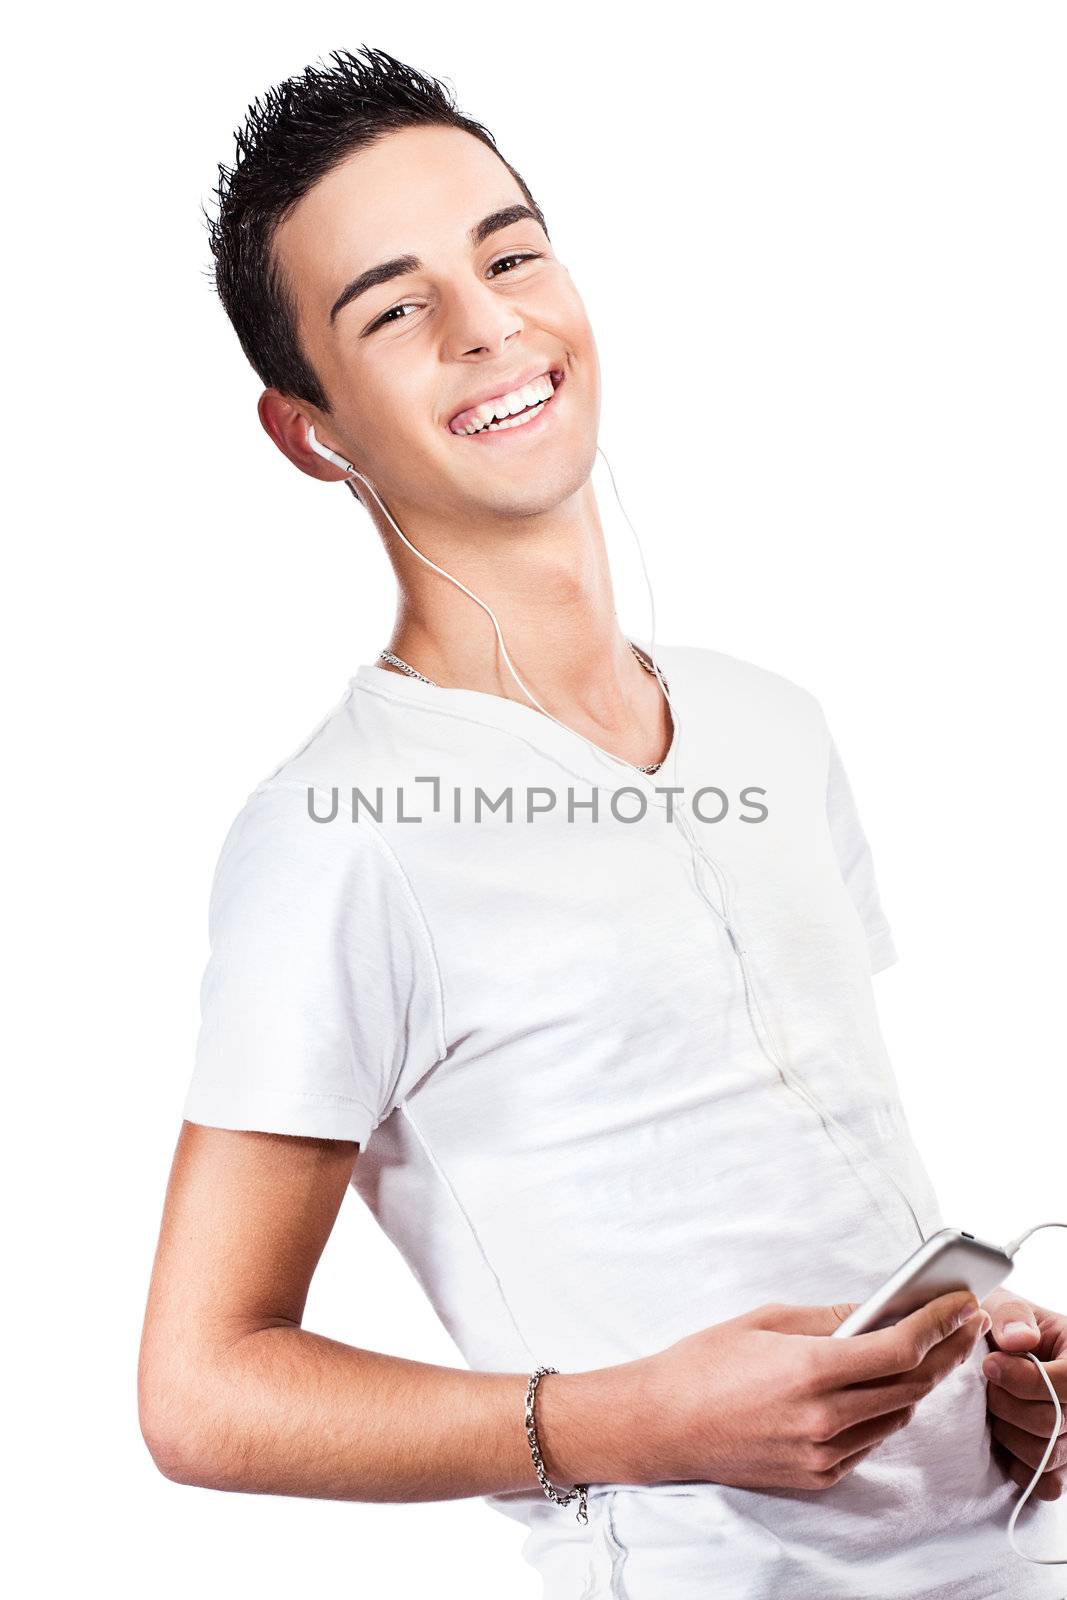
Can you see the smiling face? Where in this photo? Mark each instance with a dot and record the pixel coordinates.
(425, 285)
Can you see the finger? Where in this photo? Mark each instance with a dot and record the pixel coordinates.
(1027, 1448)
(899, 1348)
(1050, 1485)
(847, 1463)
(1021, 1378)
(801, 1319)
(1033, 1416)
(1015, 1325)
(1052, 1326)
(867, 1434)
(874, 1398)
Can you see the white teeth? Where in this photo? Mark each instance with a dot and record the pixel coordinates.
(516, 422)
(496, 412)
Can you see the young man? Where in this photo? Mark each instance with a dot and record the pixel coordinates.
(577, 998)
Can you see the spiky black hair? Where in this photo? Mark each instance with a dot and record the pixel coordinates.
(290, 139)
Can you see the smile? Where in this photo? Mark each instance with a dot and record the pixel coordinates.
(505, 412)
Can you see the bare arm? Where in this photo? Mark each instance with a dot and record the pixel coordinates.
(234, 1394)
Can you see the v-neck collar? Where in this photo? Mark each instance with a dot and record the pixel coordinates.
(599, 766)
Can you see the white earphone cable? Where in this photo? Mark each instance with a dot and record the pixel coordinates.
(762, 1033)
(1041, 1561)
(764, 1038)
(601, 752)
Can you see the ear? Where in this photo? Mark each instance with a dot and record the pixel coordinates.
(287, 424)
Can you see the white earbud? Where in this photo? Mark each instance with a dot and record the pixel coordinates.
(327, 454)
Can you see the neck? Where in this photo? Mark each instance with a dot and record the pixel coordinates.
(550, 588)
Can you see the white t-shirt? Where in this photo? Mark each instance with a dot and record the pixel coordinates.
(535, 1026)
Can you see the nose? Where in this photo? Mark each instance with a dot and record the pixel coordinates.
(480, 321)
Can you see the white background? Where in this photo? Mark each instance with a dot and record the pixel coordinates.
(824, 251)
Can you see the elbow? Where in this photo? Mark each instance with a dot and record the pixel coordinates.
(175, 1437)
(189, 1413)
(182, 1457)
(172, 1451)
(175, 1465)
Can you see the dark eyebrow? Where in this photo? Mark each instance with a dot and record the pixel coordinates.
(399, 265)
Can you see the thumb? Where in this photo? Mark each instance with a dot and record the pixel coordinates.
(1015, 1324)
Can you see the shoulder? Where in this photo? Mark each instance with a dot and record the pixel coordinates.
(363, 739)
(316, 753)
(737, 683)
(291, 852)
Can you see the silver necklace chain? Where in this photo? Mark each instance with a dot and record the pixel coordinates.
(387, 655)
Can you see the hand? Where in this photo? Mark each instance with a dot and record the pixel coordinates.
(1019, 1405)
(769, 1400)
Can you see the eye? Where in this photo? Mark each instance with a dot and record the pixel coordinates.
(528, 255)
(391, 316)
(388, 316)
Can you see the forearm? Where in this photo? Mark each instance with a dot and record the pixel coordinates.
(291, 1412)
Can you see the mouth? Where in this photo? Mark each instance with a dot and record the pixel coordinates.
(510, 412)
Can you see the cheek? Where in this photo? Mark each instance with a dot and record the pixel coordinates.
(574, 320)
(554, 306)
(577, 334)
(569, 294)
(390, 426)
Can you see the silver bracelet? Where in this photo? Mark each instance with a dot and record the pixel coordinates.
(553, 1494)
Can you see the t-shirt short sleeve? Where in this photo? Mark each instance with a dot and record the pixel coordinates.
(320, 1002)
(856, 864)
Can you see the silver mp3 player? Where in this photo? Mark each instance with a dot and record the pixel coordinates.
(946, 1261)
